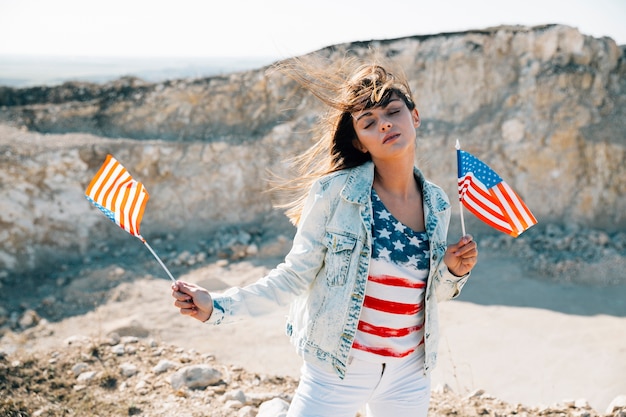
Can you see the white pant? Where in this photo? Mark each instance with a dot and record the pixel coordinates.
(397, 388)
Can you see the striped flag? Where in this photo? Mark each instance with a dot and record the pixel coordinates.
(485, 194)
(118, 196)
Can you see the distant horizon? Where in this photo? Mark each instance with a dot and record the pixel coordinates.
(23, 70)
(32, 71)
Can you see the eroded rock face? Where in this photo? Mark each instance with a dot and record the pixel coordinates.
(545, 107)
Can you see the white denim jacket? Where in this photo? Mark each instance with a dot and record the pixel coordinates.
(324, 275)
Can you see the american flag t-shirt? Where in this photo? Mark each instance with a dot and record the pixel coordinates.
(392, 319)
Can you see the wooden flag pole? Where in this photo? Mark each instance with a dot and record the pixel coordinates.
(158, 259)
(458, 147)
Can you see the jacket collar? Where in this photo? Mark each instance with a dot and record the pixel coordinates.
(359, 183)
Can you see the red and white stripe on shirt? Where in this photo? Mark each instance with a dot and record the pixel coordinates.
(392, 318)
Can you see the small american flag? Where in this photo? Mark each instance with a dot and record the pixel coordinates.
(485, 194)
(118, 196)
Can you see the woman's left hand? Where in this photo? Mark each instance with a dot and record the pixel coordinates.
(461, 256)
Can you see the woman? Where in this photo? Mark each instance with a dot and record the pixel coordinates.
(369, 260)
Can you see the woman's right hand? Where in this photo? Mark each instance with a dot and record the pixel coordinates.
(192, 300)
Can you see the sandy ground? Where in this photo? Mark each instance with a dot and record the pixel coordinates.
(521, 339)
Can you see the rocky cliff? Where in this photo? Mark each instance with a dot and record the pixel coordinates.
(545, 107)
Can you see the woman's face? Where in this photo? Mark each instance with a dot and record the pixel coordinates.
(386, 131)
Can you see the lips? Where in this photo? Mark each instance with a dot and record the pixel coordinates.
(390, 136)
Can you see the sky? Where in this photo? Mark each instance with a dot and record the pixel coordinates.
(269, 28)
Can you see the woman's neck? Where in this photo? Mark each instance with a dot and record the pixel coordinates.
(395, 179)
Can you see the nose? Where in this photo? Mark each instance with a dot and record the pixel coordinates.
(385, 125)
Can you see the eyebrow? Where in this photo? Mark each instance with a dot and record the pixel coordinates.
(369, 113)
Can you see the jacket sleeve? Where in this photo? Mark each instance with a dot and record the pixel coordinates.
(290, 278)
(449, 285)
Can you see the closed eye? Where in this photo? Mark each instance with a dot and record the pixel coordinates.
(366, 122)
